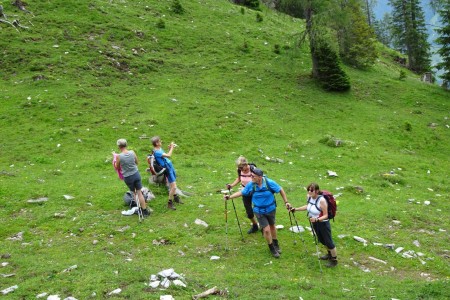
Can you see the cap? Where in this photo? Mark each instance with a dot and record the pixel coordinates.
(257, 171)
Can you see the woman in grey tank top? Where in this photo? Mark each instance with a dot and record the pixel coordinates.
(127, 161)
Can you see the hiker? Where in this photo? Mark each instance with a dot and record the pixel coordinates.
(127, 161)
(317, 208)
(262, 190)
(244, 177)
(163, 160)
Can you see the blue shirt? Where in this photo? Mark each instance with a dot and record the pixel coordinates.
(162, 161)
(262, 198)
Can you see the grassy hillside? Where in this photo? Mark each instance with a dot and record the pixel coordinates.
(89, 72)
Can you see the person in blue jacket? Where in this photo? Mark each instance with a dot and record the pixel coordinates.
(164, 161)
(262, 190)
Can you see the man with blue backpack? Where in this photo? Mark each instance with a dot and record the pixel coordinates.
(262, 190)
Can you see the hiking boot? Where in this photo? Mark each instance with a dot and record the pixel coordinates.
(145, 213)
(253, 229)
(170, 205)
(274, 251)
(332, 262)
(326, 256)
(177, 199)
(276, 246)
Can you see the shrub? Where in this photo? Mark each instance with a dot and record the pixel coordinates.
(330, 73)
(245, 48)
(253, 4)
(408, 126)
(402, 75)
(242, 10)
(161, 24)
(177, 7)
(259, 17)
(276, 49)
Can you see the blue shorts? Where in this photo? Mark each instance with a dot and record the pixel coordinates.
(133, 182)
(171, 175)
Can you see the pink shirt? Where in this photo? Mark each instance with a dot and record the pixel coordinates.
(245, 178)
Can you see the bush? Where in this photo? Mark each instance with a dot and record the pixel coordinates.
(161, 24)
(276, 49)
(330, 73)
(253, 4)
(177, 7)
(259, 17)
(402, 75)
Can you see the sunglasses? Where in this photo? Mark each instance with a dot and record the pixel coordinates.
(311, 190)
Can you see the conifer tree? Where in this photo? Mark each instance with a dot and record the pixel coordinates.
(383, 29)
(356, 37)
(444, 41)
(409, 33)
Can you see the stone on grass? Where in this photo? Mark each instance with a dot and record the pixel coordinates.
(68, 197)
(53, 297)
(115, 292)
(178, 282)
(70, 268)
(377, 260)
(214, 257)
(297, 229)
(200, 222)
(41, 295)
(165, 283)
(39, 200)
(166, 297)
(360, 239)
(154, 284)
(10, 289)
(399, 249)
(416, 243)
(166, 273)
(17, 237)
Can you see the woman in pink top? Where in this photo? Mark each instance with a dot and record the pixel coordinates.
(244, 177)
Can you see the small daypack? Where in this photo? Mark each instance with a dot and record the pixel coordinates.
(158, 172)
(332, 206)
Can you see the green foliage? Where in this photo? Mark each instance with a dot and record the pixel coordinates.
(410, 34)
(276, 49)
(330, 74)
(402, 75)
(253, 4)
(161, 24)
(444, 41)
(291, 7)
(177, 7)
(357, 39)
(259, 17)
(382, 29)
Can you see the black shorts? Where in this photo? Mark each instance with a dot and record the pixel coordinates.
(323, 231)
(133, 181)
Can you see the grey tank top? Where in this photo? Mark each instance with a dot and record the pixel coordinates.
(128, 164)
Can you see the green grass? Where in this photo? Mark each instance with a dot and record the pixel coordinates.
(191, 82)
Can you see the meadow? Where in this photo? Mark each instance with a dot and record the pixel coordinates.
(87, 73)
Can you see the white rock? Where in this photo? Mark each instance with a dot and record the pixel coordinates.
(178, 282)
(174, 275)
(166, 297)
(360, 239)
(70, 298)
(426, 202)
(165, 283)
(297, 229)
(200, 222)
(154, 284)
(166, 273)
(215, 257)
(70, 268)
(396, 222)
(4, 264)
(279, 226)
(341, 236)
(53, 297)
(115, 292)
(399, 249)
(68, 197)
(41, 295)
(10, 289)
(153, 277)
(332, 173)
(416, 243)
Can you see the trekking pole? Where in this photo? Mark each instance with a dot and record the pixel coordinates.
(296, 224)
(292, 228)
(235, 212)
(226, 225)
(317, 247)
(138, 204)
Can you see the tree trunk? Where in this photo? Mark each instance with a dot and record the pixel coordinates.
(311, 36)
